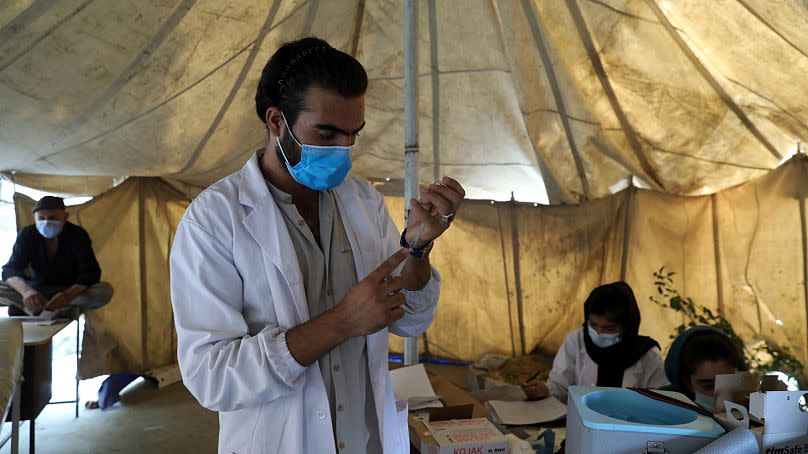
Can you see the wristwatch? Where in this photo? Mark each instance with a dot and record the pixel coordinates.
(415, 252)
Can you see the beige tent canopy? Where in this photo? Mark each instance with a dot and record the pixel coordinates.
(690, 96)
(559, 100)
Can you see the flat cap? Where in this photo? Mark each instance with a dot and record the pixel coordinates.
(49, 202)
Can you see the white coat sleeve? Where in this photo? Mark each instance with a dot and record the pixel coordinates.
(562, 375)
(420, 306)
(653, 370)
(221, 364)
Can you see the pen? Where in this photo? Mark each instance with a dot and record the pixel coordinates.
(534, 376)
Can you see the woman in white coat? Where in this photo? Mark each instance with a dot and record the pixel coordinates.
(606, 351)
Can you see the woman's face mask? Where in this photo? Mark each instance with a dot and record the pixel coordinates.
(603, 331)
(603, 340)
(704, 401)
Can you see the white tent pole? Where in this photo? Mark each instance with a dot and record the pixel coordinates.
(630, 190)
(804, 224)
(410, 131)
(719, 269)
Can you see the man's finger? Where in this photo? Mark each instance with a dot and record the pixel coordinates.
(427, 218)
(444, 206)
(392, 285)
(425, 210)
(396, 314)
(423, 207)
(452, 183)
(449, 194)
(387, 267)
(395, 300)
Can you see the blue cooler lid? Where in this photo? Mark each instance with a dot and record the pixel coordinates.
(621, 409)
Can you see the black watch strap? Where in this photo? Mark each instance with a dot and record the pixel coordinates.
(415, 252)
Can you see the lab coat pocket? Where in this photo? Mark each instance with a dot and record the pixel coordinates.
(278, 428)
(236, 429)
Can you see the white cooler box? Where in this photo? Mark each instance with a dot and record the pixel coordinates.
(622, 421)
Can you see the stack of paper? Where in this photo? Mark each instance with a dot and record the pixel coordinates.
(527, 412)
(37, 320)
(412, 384)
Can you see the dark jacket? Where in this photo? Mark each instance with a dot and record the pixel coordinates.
(74, 262)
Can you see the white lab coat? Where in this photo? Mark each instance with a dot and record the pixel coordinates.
(573, 366)
(236, 287)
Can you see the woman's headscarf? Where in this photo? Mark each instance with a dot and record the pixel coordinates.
(614, 360)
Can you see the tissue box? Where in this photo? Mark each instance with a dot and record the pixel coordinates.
(785, 425)
(465, 436)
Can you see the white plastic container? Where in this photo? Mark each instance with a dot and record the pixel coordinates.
(622, 421)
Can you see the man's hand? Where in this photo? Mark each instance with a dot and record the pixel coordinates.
(375, 302)
(59, 301)
(437, 206)
(369, 306)
(34, 301)
(535, 390)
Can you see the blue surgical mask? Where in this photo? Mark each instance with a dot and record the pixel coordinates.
(320, 167)
(49, 229)
(603, 340)
(704, 401)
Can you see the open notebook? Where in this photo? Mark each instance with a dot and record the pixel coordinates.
(527, 411)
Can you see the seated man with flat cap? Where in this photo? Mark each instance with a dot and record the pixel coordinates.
(52, 266)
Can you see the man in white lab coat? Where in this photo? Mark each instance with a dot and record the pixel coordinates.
(287, 275)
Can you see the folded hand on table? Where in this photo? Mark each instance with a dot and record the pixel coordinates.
(535, 390)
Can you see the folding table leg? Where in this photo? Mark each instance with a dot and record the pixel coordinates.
(78, 332)
(15, 419)
(31, 436)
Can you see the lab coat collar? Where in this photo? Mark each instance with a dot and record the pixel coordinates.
(252, 187)
(266, 225)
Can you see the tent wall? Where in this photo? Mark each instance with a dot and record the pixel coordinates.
(514, 275)
(742, 250)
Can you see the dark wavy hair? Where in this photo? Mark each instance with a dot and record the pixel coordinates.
(709, 346)
(299, 65)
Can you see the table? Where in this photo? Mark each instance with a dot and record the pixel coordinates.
(37, 372)
(452, 395)
(33, 335)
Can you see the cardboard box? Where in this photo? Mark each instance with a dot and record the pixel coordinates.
(784, 428)
(457, 403)
(465, 436)
(785, 425)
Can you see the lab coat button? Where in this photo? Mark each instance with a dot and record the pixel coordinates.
(320, 414)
